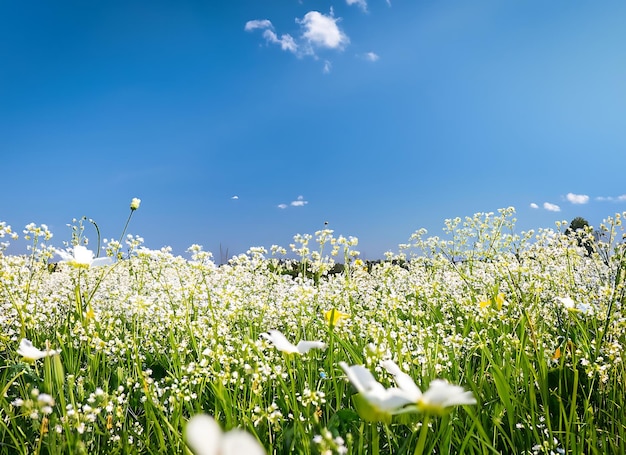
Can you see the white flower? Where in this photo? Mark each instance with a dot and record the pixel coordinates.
(204, 436)
(30, 353)
(442, 395)
(134, 204)
(280, 342)
(385, 400)
(407, 396)
(574, 307)
(82, 257)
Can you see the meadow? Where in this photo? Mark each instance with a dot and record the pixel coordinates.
(481, 341)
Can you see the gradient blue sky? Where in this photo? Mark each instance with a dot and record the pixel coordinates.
(378, 117)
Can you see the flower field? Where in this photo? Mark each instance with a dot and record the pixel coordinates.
(483, 340)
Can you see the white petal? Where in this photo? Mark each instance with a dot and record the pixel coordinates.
(305, 346)
(360, 377)
(280, 342)
(441, 393)
(404, 381)
(238, 442)
(203, 435)
(388, 400)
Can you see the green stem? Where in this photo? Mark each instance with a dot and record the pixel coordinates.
(419, 449)
(375, 439)
(125, 227)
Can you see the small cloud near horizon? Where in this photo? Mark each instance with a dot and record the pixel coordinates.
(299, 202)
(620, 198)
(577, 198)
(551, 207)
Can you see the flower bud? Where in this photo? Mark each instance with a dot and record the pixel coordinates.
(134, 204)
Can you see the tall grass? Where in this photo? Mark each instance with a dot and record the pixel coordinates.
(154, 339)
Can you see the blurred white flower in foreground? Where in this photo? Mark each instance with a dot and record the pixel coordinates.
(407, 397)
(384, 400)
(30, 353)
(204, 436)
(282, 344)
(574, 307)
(80, 256)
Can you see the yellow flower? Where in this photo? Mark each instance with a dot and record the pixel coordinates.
(498, 301)
(334, 316)
(134, 204)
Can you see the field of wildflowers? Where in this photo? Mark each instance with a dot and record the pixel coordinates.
(480, 341)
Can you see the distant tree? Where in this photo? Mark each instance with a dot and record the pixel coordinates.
(578, 228)
(576, 224)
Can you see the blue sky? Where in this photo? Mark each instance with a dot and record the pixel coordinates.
(242, 123)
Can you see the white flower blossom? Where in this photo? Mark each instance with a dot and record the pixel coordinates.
(407, 396)
(205, 437)
(282, 344)
(30, 353)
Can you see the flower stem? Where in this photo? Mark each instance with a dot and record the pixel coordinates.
(419, 449)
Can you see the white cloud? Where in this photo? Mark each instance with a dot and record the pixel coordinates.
(327, 67)
(318, 31)
(322, 31)
(235, 197)
(622, 197)
(253, 25)
(371, 56)
(577, 198)
(533, 205)
(299, 202)
(286, 41)
(282, 206)
(551, 207)
(360, 3)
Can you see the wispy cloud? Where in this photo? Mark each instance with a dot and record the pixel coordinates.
(371, 56)
(577, 198)
(298, 202)
(317, 31)
(327, 67)
(286, 41)
(551, 207)
(621, 198)
(360, 3)
(533, 205)
(258, 23)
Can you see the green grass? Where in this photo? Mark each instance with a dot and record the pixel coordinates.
(154, 339)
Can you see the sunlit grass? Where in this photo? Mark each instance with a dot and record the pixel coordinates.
(531, 325)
